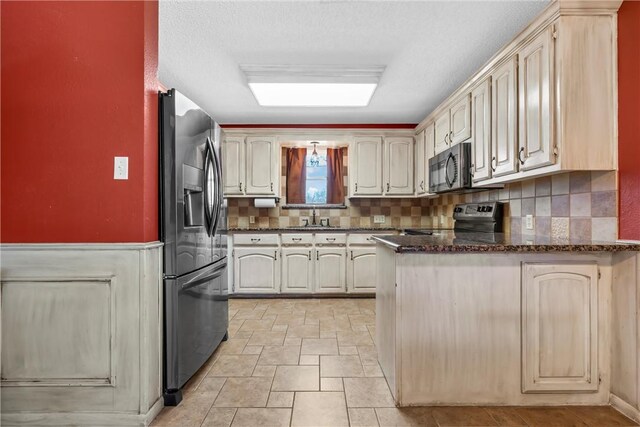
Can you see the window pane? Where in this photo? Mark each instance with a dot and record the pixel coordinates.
(316, 191)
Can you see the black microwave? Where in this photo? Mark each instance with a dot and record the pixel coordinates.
(450, 170)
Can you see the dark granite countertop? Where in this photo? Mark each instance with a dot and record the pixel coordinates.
(311, 229)
(450, 241)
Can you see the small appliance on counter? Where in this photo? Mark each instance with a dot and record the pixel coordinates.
(193, 222)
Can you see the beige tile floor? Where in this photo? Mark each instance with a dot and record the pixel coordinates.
(312, 362)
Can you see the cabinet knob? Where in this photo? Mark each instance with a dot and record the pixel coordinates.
(309, 255)
(351, 255)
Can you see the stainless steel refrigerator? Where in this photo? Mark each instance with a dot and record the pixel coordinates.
(193, 221)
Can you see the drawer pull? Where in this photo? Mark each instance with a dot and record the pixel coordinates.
(331, 239)
(296, 239)
(254, 240)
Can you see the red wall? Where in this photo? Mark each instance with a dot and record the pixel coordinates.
(629, 119)
(78, 88)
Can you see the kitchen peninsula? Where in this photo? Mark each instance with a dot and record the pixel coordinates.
(466, 320)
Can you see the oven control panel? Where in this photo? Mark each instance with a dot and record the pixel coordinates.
(485, 211)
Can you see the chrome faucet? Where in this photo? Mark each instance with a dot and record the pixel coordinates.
(313, 216)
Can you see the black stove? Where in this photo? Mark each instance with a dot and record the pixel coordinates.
(484, 217)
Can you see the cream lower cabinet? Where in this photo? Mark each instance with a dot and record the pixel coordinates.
(361, 270)
(256, 270)
(330, 266)
(559, 327)
(297, 269)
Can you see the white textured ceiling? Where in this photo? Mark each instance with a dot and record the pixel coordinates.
(428, 47)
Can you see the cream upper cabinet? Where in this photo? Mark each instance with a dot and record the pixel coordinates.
(330, 267)
(420, 161)
(536, 97)
(429, 147)
(361, 270)
(262, 166)
(454, 124)
(233, 165)
(460, 114)
(442, 132)
(365, 158)
(504, 114)
(481, 160)
(559, 327)
(398, 171)
(256, 270)
(297, 269)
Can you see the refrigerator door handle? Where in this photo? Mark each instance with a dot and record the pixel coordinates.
(218, 186)
(209, 203)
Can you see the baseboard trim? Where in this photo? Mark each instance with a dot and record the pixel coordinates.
(294, 295)
(624, 407)
(116, 419)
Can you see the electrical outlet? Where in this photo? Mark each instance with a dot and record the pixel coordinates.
(442, 219)
(379, 219)
(252, 219)
(120, 168)
(529, 222)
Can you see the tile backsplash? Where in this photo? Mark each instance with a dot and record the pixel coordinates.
(568, 206)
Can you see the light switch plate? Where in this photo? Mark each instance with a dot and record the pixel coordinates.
(121, 168)
(379, 219)
(529, 222)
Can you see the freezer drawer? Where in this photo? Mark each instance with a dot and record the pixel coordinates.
(196, 321)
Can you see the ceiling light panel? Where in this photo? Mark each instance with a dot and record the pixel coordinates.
(313, 94)
(312, 86)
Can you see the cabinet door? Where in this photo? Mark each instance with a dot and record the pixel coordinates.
(256, 270)
(233, 165)
(330, 269)
(559, 327)
(442, 132)
(399, 165)
(503, 118)
(536, 97)
(361, 270)
(420, 160)
(366, 165)
(297, 269)
(429, 138)
(262, 166)
(481, 161)
(460, 114)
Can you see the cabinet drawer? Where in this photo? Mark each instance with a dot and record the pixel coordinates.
(331, 239)
(364, 238)
(256, 239)
(297, 239)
